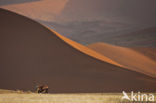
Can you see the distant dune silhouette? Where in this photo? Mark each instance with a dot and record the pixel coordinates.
(10, 2)
(90, 21)
(32, 54)
(39, 10)
(140, 38)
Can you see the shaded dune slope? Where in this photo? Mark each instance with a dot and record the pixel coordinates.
(31, 54)
(128, 57)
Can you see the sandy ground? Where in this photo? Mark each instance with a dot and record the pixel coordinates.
(18, 97)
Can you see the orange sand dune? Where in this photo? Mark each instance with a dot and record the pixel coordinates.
(32, 54)
(44, 10)
(149, 52)
(127, 57)
(86, 50)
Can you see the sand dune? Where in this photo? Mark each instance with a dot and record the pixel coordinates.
(140, 38)
(86, 50)
(92, 20)
(128, 57)
(42, 10)
(32, 54)
(10, 2)
(149, 52)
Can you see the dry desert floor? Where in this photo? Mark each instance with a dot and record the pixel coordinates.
(7, 96)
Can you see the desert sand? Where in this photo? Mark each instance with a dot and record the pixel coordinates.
(32, 54)
(40, 9)
(149, 52)
(132, 58)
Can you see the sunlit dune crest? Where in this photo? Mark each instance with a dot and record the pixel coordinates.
(86, 50)
(43, 10)
(127, 57)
